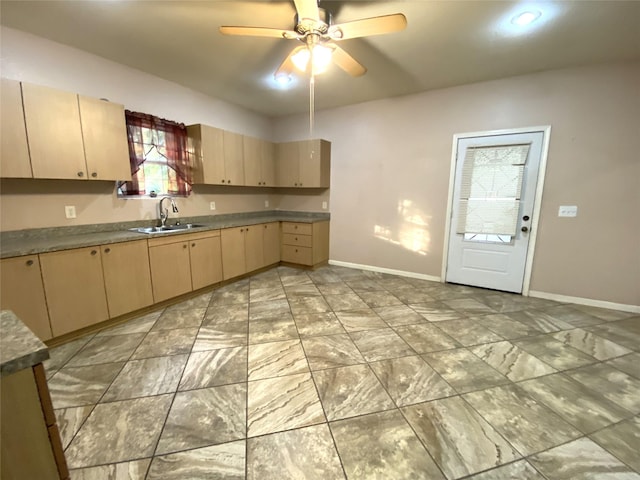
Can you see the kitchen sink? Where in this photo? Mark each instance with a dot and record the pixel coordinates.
(167, 228)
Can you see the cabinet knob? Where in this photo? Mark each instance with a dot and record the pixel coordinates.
(296, 239)
(94, 174)
(93, 252)
(29, 263)
(300, 184)
(193, 244)
(296, 250)
(295, 184)
(265, 226)
(107, 250)
(185, 245)
(81, 174)
(222, 181)
(295, 226)
(228, 181)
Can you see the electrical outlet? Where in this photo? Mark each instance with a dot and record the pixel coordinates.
(567, 211)
(70, 211)
(266, 204)
(324, 205)
(212, 205)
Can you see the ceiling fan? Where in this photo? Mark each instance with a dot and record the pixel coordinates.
(314, 28)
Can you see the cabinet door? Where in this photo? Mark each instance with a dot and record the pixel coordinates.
(14, 153)
(22, 291)
(287, 164)
(271, 243)
(206, 262)
(314, 163)
(268, 151)
(53, 128)
(74, 289)
(104, 132)
(127, 277)
(254, 249)
(233, 158)
(170, 270)
(252, 161)
(212, 152)
(233, 259)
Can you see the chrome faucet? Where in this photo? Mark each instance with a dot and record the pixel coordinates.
(164, 213)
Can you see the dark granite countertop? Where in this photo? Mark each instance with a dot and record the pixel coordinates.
(42, 240)
(19, 347)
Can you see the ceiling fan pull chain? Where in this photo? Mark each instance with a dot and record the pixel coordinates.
(312, 88)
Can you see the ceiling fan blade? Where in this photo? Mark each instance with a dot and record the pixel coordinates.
(347, 62)
(287, 66)
(259, 32)
(368, 26)
(307, 9)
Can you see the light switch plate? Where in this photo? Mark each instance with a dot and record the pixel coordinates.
(212, 205)
(70, 211)
(567, 211)
(324, 205)
(266, 204)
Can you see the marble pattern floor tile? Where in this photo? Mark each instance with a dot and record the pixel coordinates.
(507, 327)
(426, 337)
(573, 316)
(382, 445)
(208, 416)
(187, 318)
(200, 301)
(308, 290)
(511, 361)
(539, 320)
(138, 325)
(622, 440)
(308, 305)
(339, 288)
(557, 354)
(331, 351)
(69, 421)
(345, 302)
(365, 285)
(464, 371)
(322, 276)
(276, 359)
(604, 313)
(380, 344)
(268, 310)
(437, 311)
(222, 335)
(106, 350)
(261, 331)
(76, 386)
(211, 368)
(219, 462)
(216, 314)
(410, 380)
(581, 459)
(266, 294)
(149, 376)
(528, 425)
(583, 408)
(282, 403)
(460, 441)
(350, 391)
(398, 315)
(119, 431)
(629, 364)
(520, 470)
(134, 470)
(469, 306)
(615, 385)
(314, 324)
(468, 332)
(307, 453)
(591, 344)
(230, 295)
(414, 296)
(166, 342)
(358, 320)
(503, 302)
(379, 299)
(622, 332)
(60, 355)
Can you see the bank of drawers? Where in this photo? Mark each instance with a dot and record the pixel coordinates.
(297, 243)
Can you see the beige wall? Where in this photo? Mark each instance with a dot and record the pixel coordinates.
(391, 164)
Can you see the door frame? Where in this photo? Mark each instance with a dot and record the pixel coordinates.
(546, 135)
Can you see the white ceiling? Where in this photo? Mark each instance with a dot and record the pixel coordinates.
(446, 43)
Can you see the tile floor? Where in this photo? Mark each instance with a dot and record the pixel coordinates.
(340, 373)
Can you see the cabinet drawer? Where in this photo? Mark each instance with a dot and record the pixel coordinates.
(301, 228)
(299, 255)
(297, 239)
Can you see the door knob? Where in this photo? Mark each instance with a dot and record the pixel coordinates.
(525, 229)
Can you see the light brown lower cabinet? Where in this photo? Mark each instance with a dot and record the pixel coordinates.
(127, 276)
(253, 247)
(271, 243)
(23, 292)
(233, 252)
(74, 288)
(170, 267)
(305, 243)
(206, 259)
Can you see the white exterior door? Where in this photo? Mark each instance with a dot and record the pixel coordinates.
(493, 201)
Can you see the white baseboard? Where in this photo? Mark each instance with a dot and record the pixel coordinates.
(585, 301)
(390, 271)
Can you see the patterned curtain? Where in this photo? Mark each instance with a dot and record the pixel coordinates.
(147, 133)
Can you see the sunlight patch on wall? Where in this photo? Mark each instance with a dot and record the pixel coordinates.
(412, 231)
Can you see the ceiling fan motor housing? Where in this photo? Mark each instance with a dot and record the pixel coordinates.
(320, 26)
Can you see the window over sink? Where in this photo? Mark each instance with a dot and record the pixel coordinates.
(159, 156)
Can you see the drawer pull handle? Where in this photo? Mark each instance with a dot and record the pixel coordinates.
(29, 263)
(107, 250)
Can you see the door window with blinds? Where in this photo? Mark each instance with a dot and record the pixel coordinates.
(489, 201)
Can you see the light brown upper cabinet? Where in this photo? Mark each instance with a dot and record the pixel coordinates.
(104, 131)
(14, 153)
(259, 162)
(219, 156)
(303, 164)
(74, 137)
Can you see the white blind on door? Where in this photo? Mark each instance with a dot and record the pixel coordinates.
(489, 199)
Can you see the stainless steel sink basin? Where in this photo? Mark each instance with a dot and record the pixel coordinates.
(167, 228)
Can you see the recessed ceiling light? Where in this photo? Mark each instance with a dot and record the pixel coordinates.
(525, 18)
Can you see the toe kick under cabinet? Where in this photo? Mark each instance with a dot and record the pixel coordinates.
(305, 243)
